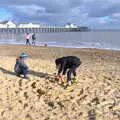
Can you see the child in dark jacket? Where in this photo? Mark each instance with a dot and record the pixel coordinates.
(67, 64)
(20, 67)
(33, 38)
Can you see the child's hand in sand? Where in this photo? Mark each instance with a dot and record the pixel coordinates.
(78, 70)
(60, 78)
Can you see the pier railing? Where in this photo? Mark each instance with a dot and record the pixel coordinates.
(37, 30)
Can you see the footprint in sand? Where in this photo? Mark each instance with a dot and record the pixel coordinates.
(16, 92)
(2, 113)
(81, 92)
(40, 93)
(20, 101)
(33, 85)
(20, 82)
(96, 101)
(61, 105)
(29, 117)
(47, 118)
(51, 104)
(25, 105)
(26, 95)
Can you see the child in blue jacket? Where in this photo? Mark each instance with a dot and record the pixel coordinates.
(20, 67)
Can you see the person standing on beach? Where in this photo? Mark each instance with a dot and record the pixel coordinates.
(27, 36)
(67, 64)
(20, 67)
(33, 39)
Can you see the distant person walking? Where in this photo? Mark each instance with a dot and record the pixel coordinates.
(33, 39)
(27, 36)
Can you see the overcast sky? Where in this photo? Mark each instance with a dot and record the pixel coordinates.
(92, 13)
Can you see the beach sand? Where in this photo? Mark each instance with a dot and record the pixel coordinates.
(95, 95)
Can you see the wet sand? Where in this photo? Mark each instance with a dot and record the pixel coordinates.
(95, 95)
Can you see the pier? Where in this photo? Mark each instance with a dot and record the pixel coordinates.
(38, 30)
(10, 27)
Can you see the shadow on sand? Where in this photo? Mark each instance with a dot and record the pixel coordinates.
(41, 74)
(47, 76)
(32, 72)
(6, 71)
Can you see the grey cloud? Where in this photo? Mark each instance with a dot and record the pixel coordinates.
(101, 8)
(86, 12)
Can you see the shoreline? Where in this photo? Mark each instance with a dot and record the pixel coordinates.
(59, 46)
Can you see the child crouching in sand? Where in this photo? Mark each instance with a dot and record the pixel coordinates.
(67, 64)
(20, 67)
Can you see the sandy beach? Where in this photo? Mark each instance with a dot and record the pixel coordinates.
(95, 95)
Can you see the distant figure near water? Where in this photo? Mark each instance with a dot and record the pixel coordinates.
(45, 45)
(27, 36)
(33, 38)
(20, 67)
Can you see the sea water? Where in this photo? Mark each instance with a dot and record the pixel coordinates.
(90, 39)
